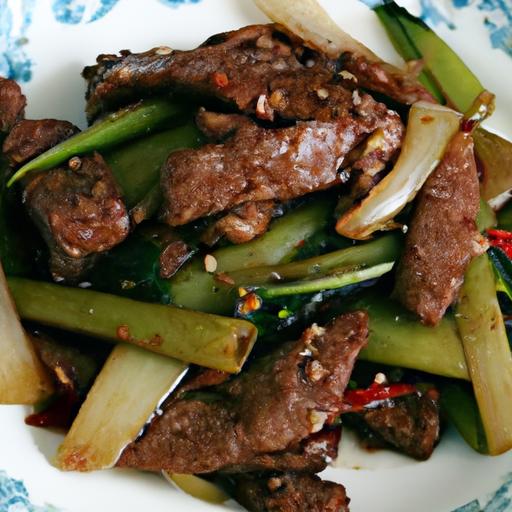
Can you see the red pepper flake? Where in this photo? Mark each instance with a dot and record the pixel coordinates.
(468, 125)
(427, 119)
(59, 414)
(251, 302)
(220, 79)
(501, 239)
(355, 400)
(123, 333)
(300, 244)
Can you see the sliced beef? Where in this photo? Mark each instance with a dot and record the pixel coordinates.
(270, 408)
(242, 224)
(442, 238)
(289, 492)
(174, 255)
(235, 67)
(30, 138)
(384, 78)
(311, 455)
(262, 69)
(79, 211)
(12, 104)
(264, 164)
(409, 424)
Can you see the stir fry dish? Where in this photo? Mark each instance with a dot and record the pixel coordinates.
(255, 244)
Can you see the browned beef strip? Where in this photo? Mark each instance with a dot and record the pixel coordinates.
(242, 224)
(79, 211)
(29, 138)
(261, 164)
(385, 79)
(12, 104)
(270, 408)
(174, 255)
(234, 66)
(290, 492)
(442, 237)
(259, 68)
(409, 424)
(311, 455)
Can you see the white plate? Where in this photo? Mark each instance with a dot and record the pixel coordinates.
(45, 44)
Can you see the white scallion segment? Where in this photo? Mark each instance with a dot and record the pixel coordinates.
(429, 131)
(197, 487)
(23, 379)
(309, 20)
(116, 410)
(487, 351)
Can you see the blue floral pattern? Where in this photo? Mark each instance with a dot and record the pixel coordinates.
(500, 501)
(15, 19)
(14, 497)
(14, 61)
(497, 18)
(81, 11)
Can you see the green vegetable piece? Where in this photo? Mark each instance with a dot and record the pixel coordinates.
(206, 340)
(456, 81)
(136, 165)
(130, 386)
(459, 406)
(128, 123)
(495, 155)
(192, 287)
(503, 267)
(398, 339)
(505, 217)
(487, 352)
(381, 250)
(406, 48)
(332, 282)
(486, 217)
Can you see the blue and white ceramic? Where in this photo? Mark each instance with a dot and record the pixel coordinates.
(45, 44)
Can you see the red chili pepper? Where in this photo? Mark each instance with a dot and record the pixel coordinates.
(59, 414)
(220, 79)
(355, 400)
(501, 239)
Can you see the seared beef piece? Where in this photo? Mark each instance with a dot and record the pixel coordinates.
(442, 237)
(80, 213)
(12, 104)
(383, 78)
(410, 424)
(236, 67)
(312, 455)
(174, 255)
(259, 68)
(30, 138)
(271, 407)
(261, 164)
(242, 224)
(290, 492)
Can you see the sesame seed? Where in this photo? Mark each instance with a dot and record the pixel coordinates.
(380, 378)
(210, 263)
(75, 163)
(163, 50)
(356, 99)
(322, 93)
(317, 419)
(347, 75)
